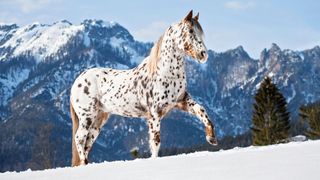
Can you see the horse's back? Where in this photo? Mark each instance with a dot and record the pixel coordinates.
(99, 84)
(93, 76)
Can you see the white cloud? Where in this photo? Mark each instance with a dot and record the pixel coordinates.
(239, 5)
(7, 19)
(27, 6)
(152, 32)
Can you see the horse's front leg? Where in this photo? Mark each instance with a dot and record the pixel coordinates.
(154, 135)
(189, 105)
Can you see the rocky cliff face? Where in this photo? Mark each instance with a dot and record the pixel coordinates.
(38, 64)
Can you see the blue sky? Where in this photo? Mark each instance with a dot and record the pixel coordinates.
(254, 24)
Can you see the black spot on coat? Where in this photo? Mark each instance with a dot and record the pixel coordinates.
(86, 90)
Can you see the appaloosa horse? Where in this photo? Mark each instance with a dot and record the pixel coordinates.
(148, 91)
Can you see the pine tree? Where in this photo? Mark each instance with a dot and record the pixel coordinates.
(134, 152)
(311, 115)
(270, 119)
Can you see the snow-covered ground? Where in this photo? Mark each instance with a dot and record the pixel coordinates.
(297, 160)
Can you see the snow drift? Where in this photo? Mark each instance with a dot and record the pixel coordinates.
(296, 160)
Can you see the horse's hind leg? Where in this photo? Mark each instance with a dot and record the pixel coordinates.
(80, 141)
(82, 135)
(94, 131)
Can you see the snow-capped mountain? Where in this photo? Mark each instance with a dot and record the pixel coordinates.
(39, 62)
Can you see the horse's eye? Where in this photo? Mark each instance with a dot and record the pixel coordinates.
(191, 31)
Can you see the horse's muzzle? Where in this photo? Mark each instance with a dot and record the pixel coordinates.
(202, 57)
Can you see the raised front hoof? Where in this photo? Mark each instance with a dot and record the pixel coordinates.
(212, 140)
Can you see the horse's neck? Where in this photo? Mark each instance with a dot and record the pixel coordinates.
(171, 60)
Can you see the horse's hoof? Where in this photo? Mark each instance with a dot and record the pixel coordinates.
(212, 140)
(84, 162)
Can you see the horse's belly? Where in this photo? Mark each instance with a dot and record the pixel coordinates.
(125, 106)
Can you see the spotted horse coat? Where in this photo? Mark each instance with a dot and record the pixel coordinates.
(148, 91)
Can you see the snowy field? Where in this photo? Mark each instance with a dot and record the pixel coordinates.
(297, 160)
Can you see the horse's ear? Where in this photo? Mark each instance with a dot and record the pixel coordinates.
(189, 16)
(196, 17)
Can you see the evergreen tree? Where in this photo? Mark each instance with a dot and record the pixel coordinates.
(270, 119)
(134, 153)
(311, 115)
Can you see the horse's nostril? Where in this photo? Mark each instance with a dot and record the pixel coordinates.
(203, 53)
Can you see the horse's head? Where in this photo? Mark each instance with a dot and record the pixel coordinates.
(190, 38)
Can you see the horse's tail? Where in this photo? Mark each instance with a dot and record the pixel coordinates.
(75, 125)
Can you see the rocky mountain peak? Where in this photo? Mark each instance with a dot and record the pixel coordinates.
(268, 57)
(238, 53)
(8, 27)
(63, 21)
(274, 48)
(99, 23)
(240, 48)
(106, 29)
(313, 53)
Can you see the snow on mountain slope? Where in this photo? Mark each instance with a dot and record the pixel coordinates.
(41, 40)
(297, 160)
